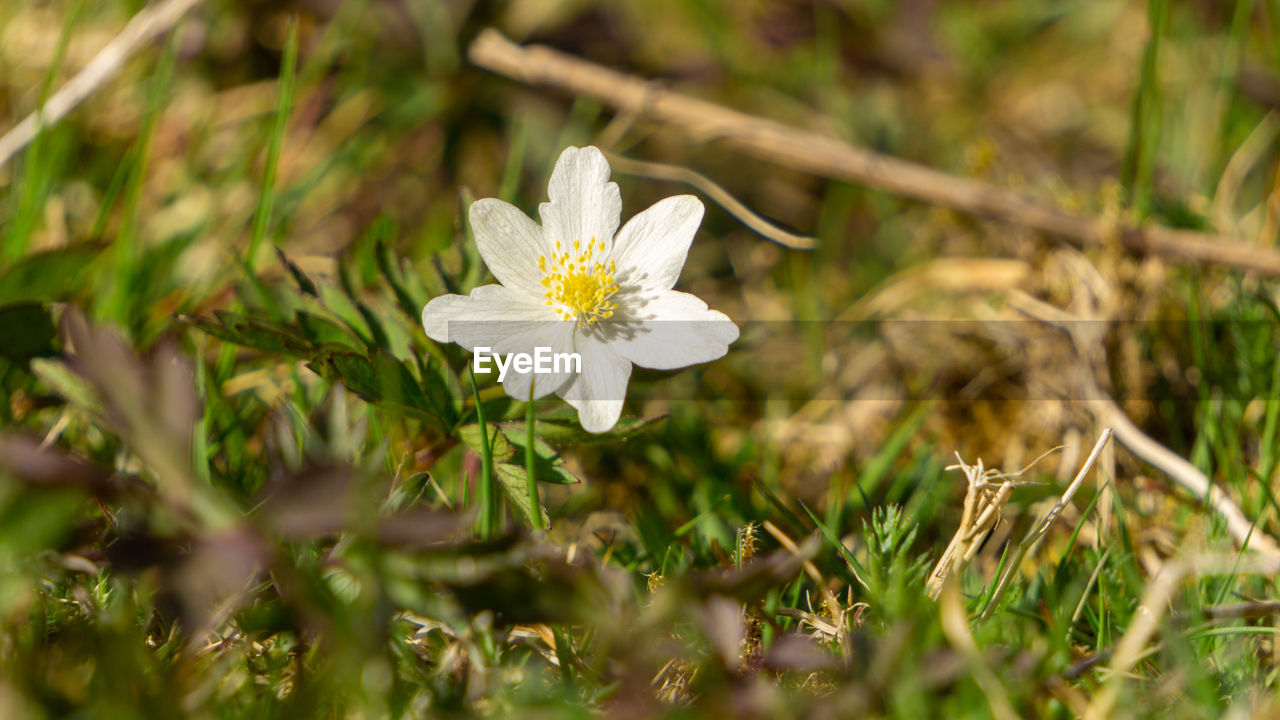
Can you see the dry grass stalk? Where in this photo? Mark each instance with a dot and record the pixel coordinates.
(828, 597)
(1244, 531)
(1133, 645)
(731, 205)
(1038, 531)
(985, 498)
(833, 158)
(148, 24)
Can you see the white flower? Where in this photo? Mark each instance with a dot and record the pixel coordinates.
(574, 286)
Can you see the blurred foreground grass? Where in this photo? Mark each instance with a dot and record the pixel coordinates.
(235, 476)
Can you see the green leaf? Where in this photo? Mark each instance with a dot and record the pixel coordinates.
(252, 333)
(341, 306)
(841, 550)
(378, 335)
(73, 388)
(275, 141)
(382, 380)
(514, 482)
(304, 283)
(441, 388)
(47, 276)
(323, 331)
(27, 330)
(563, 431)
(398, 383)
(390, 272)
(503, 450)
(35, 521)
(547, 464)
(358, 374)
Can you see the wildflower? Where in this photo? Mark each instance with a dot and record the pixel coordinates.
(577, 284)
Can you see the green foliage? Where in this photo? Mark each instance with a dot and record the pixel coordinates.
(243, 483)
(894, 578)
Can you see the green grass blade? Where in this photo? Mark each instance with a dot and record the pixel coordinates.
(284, 105)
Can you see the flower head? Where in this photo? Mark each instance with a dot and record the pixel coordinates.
(578, 284)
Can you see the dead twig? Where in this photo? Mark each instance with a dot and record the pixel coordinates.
(1146, 619)
(1243, 530)
(833, 158)
(148, 24)
(1105, 410)
(1233, 611)
(1213, 613)
(675, 173)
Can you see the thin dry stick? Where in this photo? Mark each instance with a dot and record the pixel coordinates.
(1105, 410)
(675, 173)
(1037, 532)
(1237, 611)
(833, 158)
(1243, 530)
(1056, 510)
(151, 22)
(829, 598)
(1233, 611)
(1146, 618)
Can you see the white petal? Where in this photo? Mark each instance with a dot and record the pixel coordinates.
(669, 330)
(558, 338)
(651, 248)
(492, 315)
(510, 244)
(597, 393)
(584, 205)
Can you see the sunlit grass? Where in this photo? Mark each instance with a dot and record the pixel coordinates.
(237, 480)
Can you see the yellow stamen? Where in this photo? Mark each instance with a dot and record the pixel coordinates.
(580, 288)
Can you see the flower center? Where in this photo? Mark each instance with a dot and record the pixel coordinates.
(577, 286)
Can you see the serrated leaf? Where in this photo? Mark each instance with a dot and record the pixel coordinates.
(378, 334)
(358, 374)
(251, 333)
(398, 383)
(390, 272)
(562, 431)
(304, 283)
(340, 305)
(547, 464)
(503, 450)
(415, 413)
(383, 381)
(514, 481)
(441, 388)
(323, 331)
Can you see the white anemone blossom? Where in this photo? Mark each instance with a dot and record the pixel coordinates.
(578, 284)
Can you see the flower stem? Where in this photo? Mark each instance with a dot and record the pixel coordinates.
(488, 501)
(530, 454)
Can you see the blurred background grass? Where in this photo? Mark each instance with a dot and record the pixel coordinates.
(250, 500)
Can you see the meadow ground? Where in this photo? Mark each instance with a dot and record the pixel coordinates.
(237, 479)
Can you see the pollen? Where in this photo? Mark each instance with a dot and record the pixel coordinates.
(578, 287)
